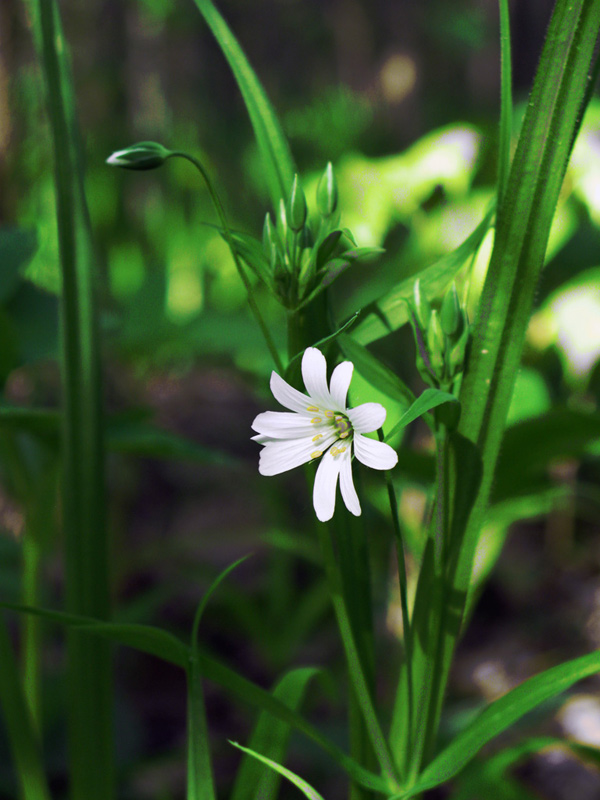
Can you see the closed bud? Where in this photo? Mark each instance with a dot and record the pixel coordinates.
(435, 342)
(451, 316)
(143, 155)
(269, 234)
(327, 192)
(297, 207)
(421, 305)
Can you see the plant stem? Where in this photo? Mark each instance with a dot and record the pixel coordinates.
(86, 558)
(241, 271)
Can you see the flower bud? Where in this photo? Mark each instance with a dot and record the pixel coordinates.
(143, 155)
(421, 305)
(327, 192)
(297, 207)
(451, 316)
(269, 235)
(435, 343)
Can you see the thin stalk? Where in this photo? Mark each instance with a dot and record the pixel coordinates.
(505, 100)
(241, 271)
(357, 674)
(32, 626)
(403, 584)
(87, 583)
(22, 738)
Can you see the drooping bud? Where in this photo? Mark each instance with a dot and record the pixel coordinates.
(451, 315)
(327, 192)
(297, 210)
(143, 155)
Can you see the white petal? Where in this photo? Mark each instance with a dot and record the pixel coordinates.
(277, 457)
(367, 417)
(282, 425)
(325, 486)
(280, 456)
(288, 396)
(377, 455)
(314, 373)
(349, 495)
(340, 383)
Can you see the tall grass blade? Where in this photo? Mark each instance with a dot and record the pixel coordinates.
(86, 558)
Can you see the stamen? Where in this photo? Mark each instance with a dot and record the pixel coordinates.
(334, 451)
(314, 420)
(316, 454)
(317, 437)
(312, 408)
(329, 414)
(344, 434)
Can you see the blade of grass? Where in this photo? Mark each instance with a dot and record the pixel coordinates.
(271, 738)
(87, 589)
(168, 647)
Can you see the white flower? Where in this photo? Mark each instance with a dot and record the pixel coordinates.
(321, 427)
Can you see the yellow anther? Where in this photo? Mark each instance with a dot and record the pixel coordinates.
(329, 414)
(316, 454)
(314, 420)
(344, 434)
(334, 451)
(317, 437)
(312, 408)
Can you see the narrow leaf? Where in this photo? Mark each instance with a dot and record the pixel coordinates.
(431, 398)
(391, 311)
(271, 737)
(500, 715)
(374, 371)
(304, 787)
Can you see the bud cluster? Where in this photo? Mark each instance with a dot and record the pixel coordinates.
(298, 256)
(441, 336)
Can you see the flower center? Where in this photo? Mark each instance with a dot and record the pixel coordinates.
(342, 425)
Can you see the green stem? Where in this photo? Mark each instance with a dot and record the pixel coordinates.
(403, 584)
(357, 674)
(242, 273)
(505, 100)
(87, 583)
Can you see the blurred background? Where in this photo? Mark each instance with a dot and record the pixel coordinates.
(403, 98)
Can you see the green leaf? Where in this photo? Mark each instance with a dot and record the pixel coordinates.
(499, 716)
(17, 247)
(374, 371)
(431, 398)
(304, 787)
(391, 311)
(145, 638)
(251, 693)
(271, 737)
(277, 159)
(251, 252)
